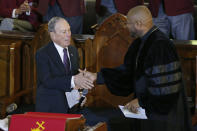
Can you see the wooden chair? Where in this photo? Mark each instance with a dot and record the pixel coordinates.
(107, 49)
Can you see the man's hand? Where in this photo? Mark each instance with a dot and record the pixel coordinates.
(82, 82)
(132, 106)
(25, 6)
(89, 75)
(18, 11)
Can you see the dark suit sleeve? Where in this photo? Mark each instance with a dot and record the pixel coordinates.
(118, 80)
(47, 76)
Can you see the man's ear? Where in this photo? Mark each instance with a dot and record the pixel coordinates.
(139, 23)
(52, 35)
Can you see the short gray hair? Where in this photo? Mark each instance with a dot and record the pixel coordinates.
(52, 23)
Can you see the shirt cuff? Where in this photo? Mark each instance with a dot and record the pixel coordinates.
(13, 14)
(72, 82)
(28, 12)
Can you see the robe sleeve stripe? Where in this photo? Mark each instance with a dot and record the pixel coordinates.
(165, 90)
(166, 78)
(163, 68)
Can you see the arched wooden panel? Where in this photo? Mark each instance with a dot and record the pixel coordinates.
(107, 49)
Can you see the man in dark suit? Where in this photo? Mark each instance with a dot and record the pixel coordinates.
(57, 68)
(71, 10)
(18, 15)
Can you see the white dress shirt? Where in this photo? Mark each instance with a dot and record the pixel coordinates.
(73, 96)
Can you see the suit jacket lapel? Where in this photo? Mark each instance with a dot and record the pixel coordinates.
(53, 53)
(72, 57)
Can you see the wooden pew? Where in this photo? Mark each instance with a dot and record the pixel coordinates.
(10, 65)
(14, 60)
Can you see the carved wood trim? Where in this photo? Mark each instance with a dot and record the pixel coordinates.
(194, 117)
(12, 65)
(75, 124)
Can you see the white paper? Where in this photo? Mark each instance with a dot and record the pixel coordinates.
(4, 124)
(140, 115)
(72, 97)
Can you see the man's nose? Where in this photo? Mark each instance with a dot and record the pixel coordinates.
(68, 34)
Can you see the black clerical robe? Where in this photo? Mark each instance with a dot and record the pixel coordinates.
(152, 70)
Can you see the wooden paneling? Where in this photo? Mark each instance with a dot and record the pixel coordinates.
(10, 72)
(187, 51)
(13, 61)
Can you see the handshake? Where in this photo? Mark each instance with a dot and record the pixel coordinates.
(85, 79)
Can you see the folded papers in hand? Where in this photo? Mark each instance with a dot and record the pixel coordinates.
(140, 115)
